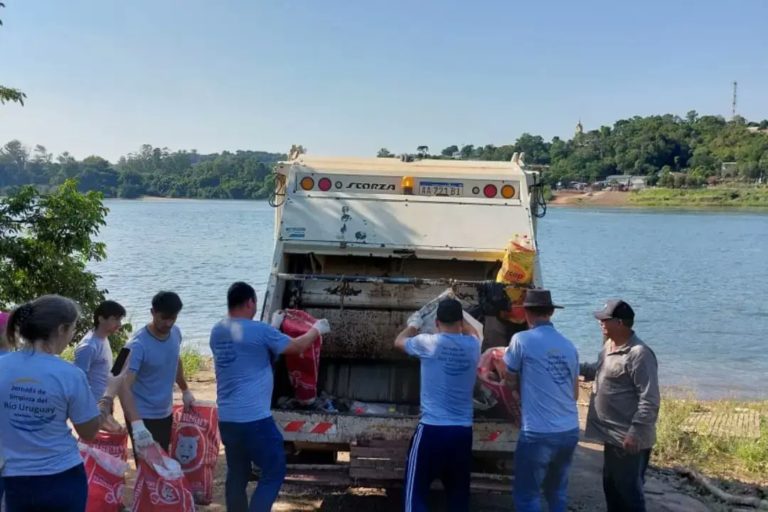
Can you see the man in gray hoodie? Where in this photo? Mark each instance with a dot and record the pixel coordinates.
(624, 407)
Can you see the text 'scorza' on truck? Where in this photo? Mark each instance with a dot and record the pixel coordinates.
(365, 243)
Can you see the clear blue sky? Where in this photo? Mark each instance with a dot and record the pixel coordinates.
(105, 76)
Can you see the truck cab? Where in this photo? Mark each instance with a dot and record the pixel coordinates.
(365, 243)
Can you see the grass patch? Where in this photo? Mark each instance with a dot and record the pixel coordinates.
(191, 361)
(720, 456)
(711, 197)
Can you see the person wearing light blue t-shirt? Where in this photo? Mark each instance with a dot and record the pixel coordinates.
(543, 369)
(441, 447)
(93, 354)
(40, 393)
(243, 352)
(153, 367)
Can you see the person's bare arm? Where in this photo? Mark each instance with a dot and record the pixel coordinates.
(88, 430)
(301, 343)
(126, 398)
(408, 332)
(180, 380)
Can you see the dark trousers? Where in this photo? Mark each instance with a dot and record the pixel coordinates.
(63, 492)
(623, 479)
(161, 432)
(259, 443)
(542, 462)
(443, 452)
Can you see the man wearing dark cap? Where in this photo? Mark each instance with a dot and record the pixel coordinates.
(441, 447)
(624, 407)
(543, 366)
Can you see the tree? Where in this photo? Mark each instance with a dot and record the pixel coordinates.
(384, 153)
(46, 242)
(450, 151)
(8, 93)
(423, 151)
(466, 151)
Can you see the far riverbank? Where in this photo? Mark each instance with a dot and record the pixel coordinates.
(713, 197)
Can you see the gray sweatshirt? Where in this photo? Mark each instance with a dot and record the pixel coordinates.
(625, 396)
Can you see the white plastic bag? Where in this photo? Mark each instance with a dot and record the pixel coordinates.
(428, 314)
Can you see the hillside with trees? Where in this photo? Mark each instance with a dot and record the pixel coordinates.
(150, 171)
(668, 149)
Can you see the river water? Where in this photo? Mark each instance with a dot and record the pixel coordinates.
(698, 281)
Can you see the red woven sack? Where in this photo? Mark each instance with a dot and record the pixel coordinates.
(106, 480)
(195, 444)
(489, 372)
(160, 484)
(302, 368)
(114, 444)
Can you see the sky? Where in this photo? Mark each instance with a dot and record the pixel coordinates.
(349, 77)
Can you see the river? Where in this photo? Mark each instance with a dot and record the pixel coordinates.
(698, 281)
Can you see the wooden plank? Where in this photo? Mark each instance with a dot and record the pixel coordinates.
(387, 453)
(740, 423)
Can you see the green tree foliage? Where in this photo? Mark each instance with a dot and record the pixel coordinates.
(9, 94)
(669, 150)
(384, 153)
(46, 241)
(149, 171)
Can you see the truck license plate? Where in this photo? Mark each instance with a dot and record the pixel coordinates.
(441, 188)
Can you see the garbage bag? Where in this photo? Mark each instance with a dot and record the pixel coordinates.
(519, 261)
(160, 483)
(115, 444)
(195, 445)
(497, 395)
(106, 479)
(428, 314)
(302, 368)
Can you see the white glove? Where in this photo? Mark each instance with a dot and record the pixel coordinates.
(188, 399)
(141, 436)
(277, 319)
(113, 385)
(322, 326)
(415, 321)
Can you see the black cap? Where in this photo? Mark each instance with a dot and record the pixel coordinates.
(615, 308)
(449, 311)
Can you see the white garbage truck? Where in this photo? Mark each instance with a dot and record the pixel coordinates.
(365, 243)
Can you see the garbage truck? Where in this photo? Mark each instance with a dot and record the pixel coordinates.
(365, 243)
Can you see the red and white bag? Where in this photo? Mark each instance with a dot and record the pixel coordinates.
(489, 374)
(302, 368)
(195, 445)
(160, 484)
(106, 479)
(112, 443)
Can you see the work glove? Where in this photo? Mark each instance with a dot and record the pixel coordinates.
(415, 321)
(277, 319)
(188, 399)
(141, 436)
(322, 326)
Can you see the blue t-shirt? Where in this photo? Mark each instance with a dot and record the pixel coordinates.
(155, 363)
(39, 392)
(243, 351)
(448, 373)
(548, 365)
(93, 355)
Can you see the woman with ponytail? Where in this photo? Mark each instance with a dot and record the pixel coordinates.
(39, 392)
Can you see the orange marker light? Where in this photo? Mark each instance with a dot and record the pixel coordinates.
(307, 183)
(507, 191)
(407, 185)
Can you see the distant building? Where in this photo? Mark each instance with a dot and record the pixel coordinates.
(624, 182)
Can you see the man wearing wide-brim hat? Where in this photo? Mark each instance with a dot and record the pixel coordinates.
(544, 366)
(624, 406)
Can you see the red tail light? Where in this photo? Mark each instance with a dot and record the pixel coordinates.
(490, 191)
(324, 184)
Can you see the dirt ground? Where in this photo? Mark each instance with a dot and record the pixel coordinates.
(607, 198)
(665, 493)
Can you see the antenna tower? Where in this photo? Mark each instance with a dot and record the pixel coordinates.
(733, 106)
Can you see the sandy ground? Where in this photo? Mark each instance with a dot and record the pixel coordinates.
(599, 198)
(664, 493)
